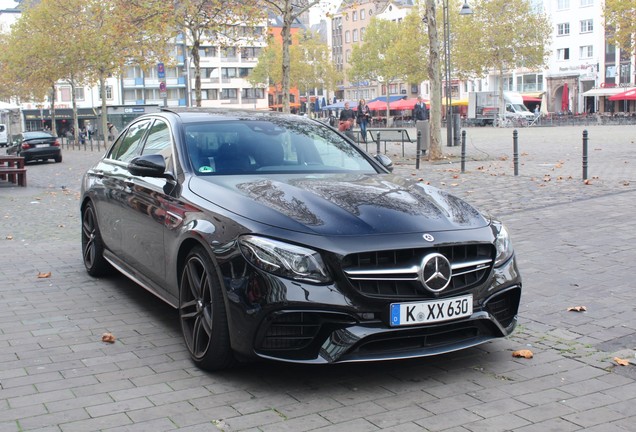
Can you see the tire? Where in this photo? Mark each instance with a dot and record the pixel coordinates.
(92, 244)
(58, 159)
(202, 313)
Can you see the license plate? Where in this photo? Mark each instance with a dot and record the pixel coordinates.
(41, 145)
(434, 311)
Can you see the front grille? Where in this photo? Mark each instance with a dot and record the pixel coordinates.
(394, 274)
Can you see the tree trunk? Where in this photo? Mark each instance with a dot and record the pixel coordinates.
(434, 73)
(102, 94)
(53, 125)
(196, 59)
(74, 104)
(287, 40)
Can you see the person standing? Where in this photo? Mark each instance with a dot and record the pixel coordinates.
(347, 118)
(363, 116)
(112, 131)
(421, 116)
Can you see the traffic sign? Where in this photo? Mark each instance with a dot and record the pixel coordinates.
(161, 70)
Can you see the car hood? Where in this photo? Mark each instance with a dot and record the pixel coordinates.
(339, 204)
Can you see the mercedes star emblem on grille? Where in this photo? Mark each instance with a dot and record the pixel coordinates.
(435, 272)
(428, 237)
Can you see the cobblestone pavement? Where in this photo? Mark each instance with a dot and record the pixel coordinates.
(575, 245)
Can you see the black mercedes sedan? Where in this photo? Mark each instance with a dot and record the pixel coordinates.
(276, 237)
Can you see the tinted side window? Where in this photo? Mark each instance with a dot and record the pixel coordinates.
(129, 145)
(159, 142)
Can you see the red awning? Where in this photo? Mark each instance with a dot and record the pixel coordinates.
(530, 98)
(626, 95)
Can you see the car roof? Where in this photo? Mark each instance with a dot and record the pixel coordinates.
(198, 114)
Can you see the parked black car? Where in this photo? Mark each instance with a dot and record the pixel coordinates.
(36, 145)
(276, 237)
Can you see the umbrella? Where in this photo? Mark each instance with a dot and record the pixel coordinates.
(456, 102)
(377, 105)
(405, 104)
(317, 105)
(544, 105)
(626, 95)
(565, 98)
(338, 106)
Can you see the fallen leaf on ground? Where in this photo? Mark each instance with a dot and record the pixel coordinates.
(44, 275)
(577, 309)
(621, 361)
(9, 237)
(587, 182)
(108, 337)
(523, 353)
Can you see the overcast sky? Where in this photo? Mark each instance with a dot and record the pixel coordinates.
(7, 4)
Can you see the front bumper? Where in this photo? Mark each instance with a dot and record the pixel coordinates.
(281, 320)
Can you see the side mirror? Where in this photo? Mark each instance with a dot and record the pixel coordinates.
(385, 161)
(152, 165)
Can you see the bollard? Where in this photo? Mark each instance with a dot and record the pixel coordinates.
(377, 143)
(515, 150)
(584, 154)
(418, 150)
(463, 151)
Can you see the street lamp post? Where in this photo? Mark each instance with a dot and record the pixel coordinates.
(465, 10)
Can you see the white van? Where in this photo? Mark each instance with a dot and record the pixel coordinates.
(4, 140)
(515, 106)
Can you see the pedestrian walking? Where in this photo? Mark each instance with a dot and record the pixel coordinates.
(363, 116)
(347, 119)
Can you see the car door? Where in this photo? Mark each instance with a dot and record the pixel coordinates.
(113, 188)
(144, 244)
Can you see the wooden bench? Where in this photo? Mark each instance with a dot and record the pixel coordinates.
(14, 175)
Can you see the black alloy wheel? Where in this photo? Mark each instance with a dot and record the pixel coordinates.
(92, 245)
(202, 313)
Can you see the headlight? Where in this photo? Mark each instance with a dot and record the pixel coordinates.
(502, 243)
(283, 259)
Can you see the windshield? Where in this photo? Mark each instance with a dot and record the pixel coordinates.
(273, 145)
(520, 108)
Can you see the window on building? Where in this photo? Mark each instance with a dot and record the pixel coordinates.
(79, 93)
(563, 4)
(362, 31)
(228, 52)
(228, 73)
(625, 73)
(586, 52)
(229, 94)
(586, 3)
(362, 15)
(207, 52)
(109, 92)
(252, 93)
(563, 29)
(587, 26)
(251, 52)
(347, 36)
(563, 54)
(354, 16)
(355, 35)
(348, 56)
(209, 94)
(65, 94)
